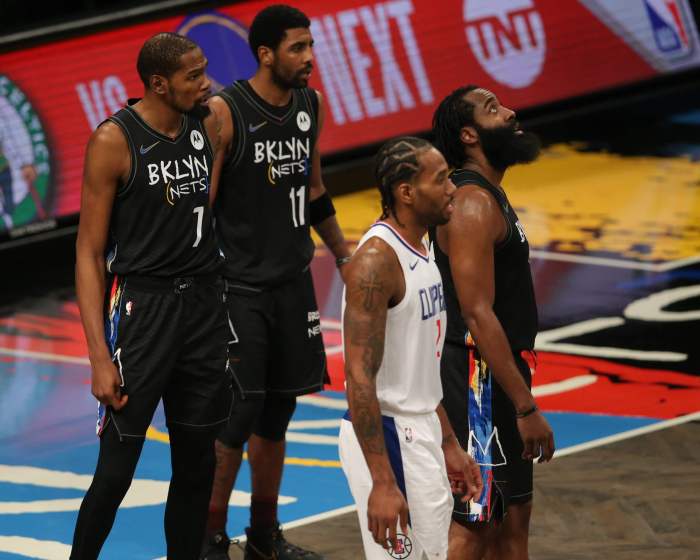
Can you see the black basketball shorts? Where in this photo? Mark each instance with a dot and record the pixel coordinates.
(277, 345)
(168, 339)
(484, 422)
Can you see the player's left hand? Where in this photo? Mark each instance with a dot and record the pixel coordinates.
(463, 472)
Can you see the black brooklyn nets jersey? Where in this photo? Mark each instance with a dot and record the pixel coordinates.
(514, 304)
(161, 223)
(262, 204)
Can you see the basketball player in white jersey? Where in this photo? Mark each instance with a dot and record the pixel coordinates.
(397, 447)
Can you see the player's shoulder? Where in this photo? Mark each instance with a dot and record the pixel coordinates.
(107, 137)
(474, 197)
(375, 254)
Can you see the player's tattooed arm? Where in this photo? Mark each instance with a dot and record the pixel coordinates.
(368, 292)
(372, 284)
(219, 127)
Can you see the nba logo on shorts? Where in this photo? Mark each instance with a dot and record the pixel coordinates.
(666, 18)
(507, 39)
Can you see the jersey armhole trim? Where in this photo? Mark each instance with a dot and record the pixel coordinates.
(311, 98)
(123, 190)
(239, 132)
(203, 132)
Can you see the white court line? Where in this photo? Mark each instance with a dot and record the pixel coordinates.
(45, 550)
(614, 263)
(629, 434)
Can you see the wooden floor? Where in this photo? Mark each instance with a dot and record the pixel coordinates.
(638, 499)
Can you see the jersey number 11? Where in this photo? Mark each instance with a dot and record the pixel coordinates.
(298, 209)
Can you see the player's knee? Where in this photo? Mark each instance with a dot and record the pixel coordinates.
(240, 424)
(272, 423)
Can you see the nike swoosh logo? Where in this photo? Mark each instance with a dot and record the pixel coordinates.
(252, 128)
(144, 151)
(414, 265)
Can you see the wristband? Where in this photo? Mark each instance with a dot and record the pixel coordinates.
(321, 208)
(527, 412)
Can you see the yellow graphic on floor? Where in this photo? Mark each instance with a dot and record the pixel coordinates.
(643, 208)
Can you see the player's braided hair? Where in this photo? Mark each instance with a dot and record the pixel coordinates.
(453, 113)
(397, 162)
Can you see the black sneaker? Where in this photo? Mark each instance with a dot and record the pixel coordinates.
(216, 547)
(271, 545)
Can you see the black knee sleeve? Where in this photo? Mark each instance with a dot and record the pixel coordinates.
(277, 412)
(240, 424)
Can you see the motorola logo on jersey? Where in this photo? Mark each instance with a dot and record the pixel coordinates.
(197, 139)
(507, 38)
(432, 301)
(224, 42)
(303, 121)
(180, 177)
(283, 157)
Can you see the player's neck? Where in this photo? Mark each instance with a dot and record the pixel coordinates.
(409, 228)
(269, 91)
(159, 116)
(481, 165)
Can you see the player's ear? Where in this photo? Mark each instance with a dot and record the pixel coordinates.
(404, 193)
(468, 135)
(265, 55)
(158, 84)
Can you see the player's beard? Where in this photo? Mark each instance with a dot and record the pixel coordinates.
(295, 81)
(504, 147)
(199, 111)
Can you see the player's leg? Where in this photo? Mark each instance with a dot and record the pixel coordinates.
(516, 477)
(193, 461)
(512, 538)
(467, 400)
(418, 441)
(266, 450)
(197, 403)
(297, 367)
(116, 464)
(140, 334)
(360, 483)
(248, 317)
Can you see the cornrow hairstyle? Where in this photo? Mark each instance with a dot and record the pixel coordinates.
(161, 55)
(270, 26)
(397, 162)
(453, 113)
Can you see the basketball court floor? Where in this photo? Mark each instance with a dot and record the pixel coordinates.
(614, 226)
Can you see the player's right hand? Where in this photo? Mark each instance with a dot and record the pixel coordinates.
(106, 385)
(386, 508)
(537, 436)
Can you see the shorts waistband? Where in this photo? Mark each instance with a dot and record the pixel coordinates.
(176, 284)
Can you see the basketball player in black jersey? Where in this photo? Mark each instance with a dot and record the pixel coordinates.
(268, 193)
(162, 330)
(492, 322)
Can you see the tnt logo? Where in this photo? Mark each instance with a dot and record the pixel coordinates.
(507, 39)
(667, 23)
(403, 547)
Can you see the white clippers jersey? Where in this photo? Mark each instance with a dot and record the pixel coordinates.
(408, 381)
